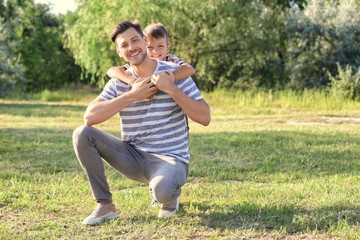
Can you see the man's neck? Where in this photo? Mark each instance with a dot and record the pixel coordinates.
(146, 68)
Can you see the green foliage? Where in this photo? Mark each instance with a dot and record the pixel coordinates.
(321, 36)
(345, 84)
(47, 64)
(11, 74)
(230, 43)
(87, 31)
(2, 8)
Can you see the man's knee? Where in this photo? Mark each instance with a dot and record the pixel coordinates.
(80, 133)
(164, 190)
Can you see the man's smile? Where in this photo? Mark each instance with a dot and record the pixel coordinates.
(134, 53)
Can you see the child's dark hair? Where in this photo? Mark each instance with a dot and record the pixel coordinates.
(123, 26)
(156, 30)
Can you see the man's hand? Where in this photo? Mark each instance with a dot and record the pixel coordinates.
(164, 81)
(142, 89)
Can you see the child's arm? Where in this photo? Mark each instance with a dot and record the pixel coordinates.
(183, 71)
(119, 73)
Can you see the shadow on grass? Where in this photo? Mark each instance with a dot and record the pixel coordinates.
(250, 156)
(246, 155)
(36, 150)
(294, 220)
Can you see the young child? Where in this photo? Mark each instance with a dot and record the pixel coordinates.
(158, 48)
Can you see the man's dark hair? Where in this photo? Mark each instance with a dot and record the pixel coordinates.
(156, 30)
(123, 26)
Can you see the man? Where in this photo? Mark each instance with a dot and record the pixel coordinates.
(154, 145)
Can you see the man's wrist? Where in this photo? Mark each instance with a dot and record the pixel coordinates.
(172, 90)
(130, 96)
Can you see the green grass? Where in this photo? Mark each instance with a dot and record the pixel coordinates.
(275, 165)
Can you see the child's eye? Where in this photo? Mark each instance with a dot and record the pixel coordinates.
(149, 47)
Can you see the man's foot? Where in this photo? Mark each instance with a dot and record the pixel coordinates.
(170, 209)
(101, 213)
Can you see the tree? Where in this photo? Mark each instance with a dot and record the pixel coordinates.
(324, 34)
(46, 63)
(10, 70)
(2, 8)
(231, 43)
(87, 31)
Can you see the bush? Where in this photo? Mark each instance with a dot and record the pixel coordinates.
(345, 85)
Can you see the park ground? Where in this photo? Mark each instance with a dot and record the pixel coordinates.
(271, 165)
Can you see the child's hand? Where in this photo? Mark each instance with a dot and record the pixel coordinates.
(164, 81)
(143, 89)
(150, 98)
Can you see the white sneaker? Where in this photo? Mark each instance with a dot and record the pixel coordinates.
(170, 209)
(101, 213)
(154, 203)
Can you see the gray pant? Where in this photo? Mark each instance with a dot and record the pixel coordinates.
(165, 175)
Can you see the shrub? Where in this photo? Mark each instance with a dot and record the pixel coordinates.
(345, 84)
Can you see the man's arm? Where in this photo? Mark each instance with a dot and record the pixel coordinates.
(119, 73)
(183, 71)
(197, 110)
(99, 110)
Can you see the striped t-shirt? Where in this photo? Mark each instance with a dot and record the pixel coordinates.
(159, 125)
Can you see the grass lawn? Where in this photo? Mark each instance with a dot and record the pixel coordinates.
(269, 166)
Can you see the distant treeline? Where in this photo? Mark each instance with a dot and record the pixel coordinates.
(232, 44)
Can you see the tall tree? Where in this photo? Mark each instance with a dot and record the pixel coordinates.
(229, 42)
(47, 64)
(2, 8)
(10, 70)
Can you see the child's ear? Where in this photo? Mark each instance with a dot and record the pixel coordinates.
(168, 48)
(146, 40)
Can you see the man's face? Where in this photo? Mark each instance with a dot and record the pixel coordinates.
(157, 48)
(131, 46)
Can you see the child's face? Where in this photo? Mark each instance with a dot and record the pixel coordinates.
(157, 48)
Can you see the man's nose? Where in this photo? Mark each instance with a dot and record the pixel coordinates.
(131, 46)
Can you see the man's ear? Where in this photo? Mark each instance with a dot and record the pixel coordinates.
(118, 52)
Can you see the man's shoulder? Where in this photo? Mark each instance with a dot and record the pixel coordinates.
(116, 84)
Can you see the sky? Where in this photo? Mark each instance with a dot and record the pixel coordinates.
(59, 6)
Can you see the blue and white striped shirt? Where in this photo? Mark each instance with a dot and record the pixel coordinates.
(159, 125)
